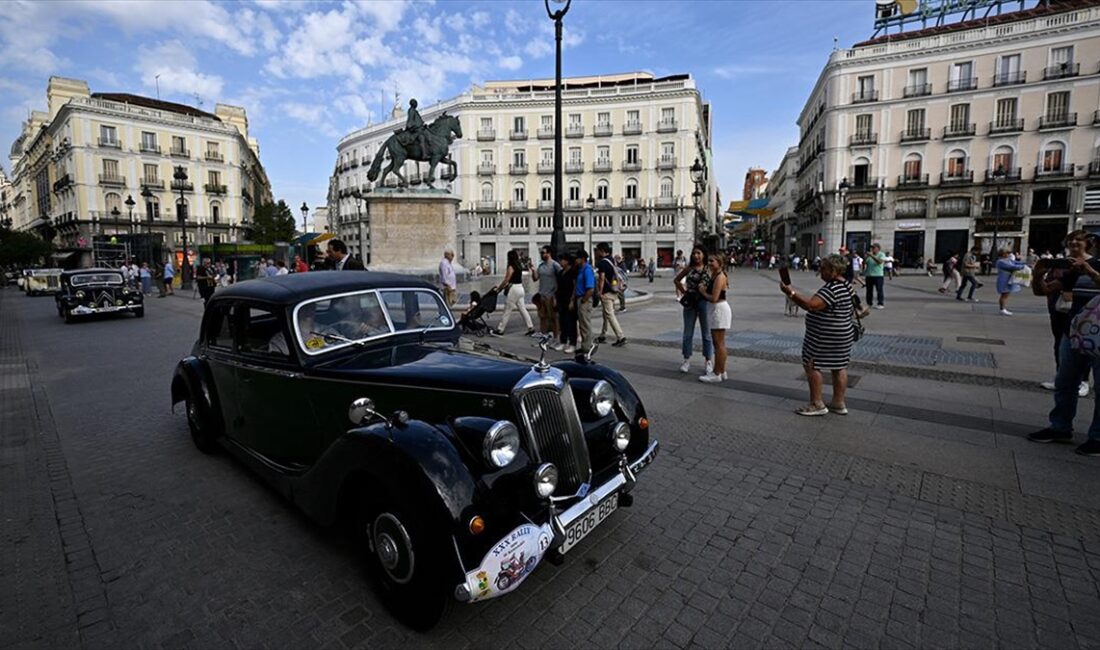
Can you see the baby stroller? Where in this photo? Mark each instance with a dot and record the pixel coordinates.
(473, 321)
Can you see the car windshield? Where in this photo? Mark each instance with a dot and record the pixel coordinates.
(335, 322)
(96, 278)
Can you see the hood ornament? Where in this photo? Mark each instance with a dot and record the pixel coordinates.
(591, 352)
(544, 343)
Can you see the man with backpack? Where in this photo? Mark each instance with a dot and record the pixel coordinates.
(608, 287)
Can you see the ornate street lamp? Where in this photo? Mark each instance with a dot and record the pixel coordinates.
(843, 187)
(148, 196)
(130, 203)
(180, 176)
(589, 203)
(998, 180)
(305, 215)
(697, 172)
(557, 238)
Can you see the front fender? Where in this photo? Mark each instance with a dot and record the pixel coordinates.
(416, 452)
(193, 377)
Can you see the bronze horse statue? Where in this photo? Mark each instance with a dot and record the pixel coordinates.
(403, 145)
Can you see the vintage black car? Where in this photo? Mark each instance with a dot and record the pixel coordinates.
(86, 292)
(460, 468)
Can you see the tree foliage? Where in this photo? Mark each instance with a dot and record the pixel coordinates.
(273, 222)
(22, 248)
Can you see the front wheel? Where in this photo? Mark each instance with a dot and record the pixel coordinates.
(407, 558)
(140, 312)
(68, 316)
(202, 430)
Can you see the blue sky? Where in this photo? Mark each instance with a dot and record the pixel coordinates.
(309, 72)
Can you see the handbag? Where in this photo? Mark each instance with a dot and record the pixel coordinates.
(690, 300)
(1084, 330)
(857, 317)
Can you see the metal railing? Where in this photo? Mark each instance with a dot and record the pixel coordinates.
(515, 134)
(486, 205)
(632, 166)
(179, 153)
(213, 188)
(214, 156)
(632, 128)
(917, 90)
(517, 206)
(546, 133)
(486, 134)
(863, 96)
(546, 168)
(667, 125)
(516, 170)
(1057, 120)
(1009, 175)
(603, 129)
(574, 131)
(602, 165)
(666, 201)
(959, 130)
(486, 169)
(959, 85)
(112, 179)
(574, 167)
(911, 135)
(110, 143)
(1010, 78)
(666, 162)
(957, 178)
(1006, 125)
(911, 181)
(1062, 71)
(1065, 171)
(149, 148)
(857, 139)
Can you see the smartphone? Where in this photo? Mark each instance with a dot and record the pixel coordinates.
(784, 275)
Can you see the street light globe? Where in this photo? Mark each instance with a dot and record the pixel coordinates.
(590, 202)
(697, 171)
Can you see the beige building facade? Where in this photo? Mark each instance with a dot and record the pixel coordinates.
(929, 141)
(103, 164)
(628, 142)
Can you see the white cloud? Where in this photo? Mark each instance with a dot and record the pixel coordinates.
(27, 30)
(319, 47)
(510, 62)
(313, 114)
(195, 18)
(176, 66)
(538, 48)
(428, 30)
(480, 19)
(736, 71)
(514, 22)
(385, 15)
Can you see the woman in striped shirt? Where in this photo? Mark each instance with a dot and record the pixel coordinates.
(827, 344)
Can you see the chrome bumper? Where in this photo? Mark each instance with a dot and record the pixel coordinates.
(518, 553)
(82, 310)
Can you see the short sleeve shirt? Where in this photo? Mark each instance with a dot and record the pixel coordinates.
(608, 269)
(874, 265)
(586, 280)
(548, 277)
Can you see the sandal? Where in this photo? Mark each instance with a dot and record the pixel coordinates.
(812, 409)
(838, 409)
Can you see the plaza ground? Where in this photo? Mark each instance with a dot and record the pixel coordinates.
(923, 518)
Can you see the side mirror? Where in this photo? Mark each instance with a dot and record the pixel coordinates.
(360, 409)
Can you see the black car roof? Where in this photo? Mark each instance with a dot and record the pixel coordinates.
(294, 287)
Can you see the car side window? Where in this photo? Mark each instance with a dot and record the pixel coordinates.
(414, 310)
(219, 327)
(263, 333)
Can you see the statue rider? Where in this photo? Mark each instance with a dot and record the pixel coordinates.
(414, 124)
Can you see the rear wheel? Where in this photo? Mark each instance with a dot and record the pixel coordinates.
(203, 432)
(407, 557)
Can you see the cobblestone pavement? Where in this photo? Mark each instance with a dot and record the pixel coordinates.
(752, 529)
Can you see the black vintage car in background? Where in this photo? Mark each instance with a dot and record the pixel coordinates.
(460, 469)
(86, 292)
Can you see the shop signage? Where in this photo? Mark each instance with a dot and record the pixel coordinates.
(910, 225)
(989, 224)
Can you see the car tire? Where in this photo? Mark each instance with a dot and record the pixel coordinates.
(139, 312)
(69, 317)
(203, 432)
(407, 557)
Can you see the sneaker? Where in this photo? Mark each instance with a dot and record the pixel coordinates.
(812, 409)
(601, 339)
(620, 343)
(1005, 312)
(708, 367)
(557, 347)
(494, 332)
(1050, 435)
(1083, 389)
(880, 307)
(942, 290)
(569, 349)
(959, 298)
(839, 409)
(1090, 448)
(531, 332)
(972, 300)
(686, 366)
(711, 378)
(1049, 385)
(980, 285)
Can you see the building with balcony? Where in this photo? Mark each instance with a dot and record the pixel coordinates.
(918, 139)
(628, 142)
(98, 164)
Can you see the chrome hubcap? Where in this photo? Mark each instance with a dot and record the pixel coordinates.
(387, 552)
(393, 547)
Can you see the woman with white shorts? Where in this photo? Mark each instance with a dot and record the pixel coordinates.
(719, 316)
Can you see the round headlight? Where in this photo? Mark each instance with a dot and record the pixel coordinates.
(620, 436)
(602, 398)
(80, 295)
(501, 444)
(546, 480)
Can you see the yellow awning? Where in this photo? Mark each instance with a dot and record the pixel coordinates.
(322, 238)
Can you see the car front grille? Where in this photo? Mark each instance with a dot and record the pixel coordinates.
(552, 421)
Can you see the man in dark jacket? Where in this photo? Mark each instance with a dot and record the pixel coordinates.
(338, 259)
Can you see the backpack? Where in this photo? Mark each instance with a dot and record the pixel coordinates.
(1084, 330)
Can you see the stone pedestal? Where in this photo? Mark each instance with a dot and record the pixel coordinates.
(409, 230)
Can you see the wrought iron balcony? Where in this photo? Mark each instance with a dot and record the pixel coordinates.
(516, 170)
(152, 183)
(517, 206)
(630, 203)
(916, 180)
(861, 139)
(917, 90)
(515, 134)
(863, 96)
(574, 167)
(602, 165)
(150, 148)
(112, 179)
(1062, 71)
(1058, 121)
(486, 169)
(486, 134)
(212, 188)
(959, 85)
(666, 162)
(179, 153)
(667, 125)
(1010, 78)
(1010, 175)
(574, 131)
(862, 184)
(632, 166)
(354, 163)
(632, 128)
(62, 183)
(603, 204)
(185, 186)
(1065, 171)
(110, 143)
(573, 204)
(214, 156)
(957, 178)
(545, 204)
(1006, 125)
(486, 206)
(960, 130)
(665, 201)
(546, 133)
(913, 135)
(546, 167)
(603, 129)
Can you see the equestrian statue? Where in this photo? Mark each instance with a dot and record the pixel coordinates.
(419, 142)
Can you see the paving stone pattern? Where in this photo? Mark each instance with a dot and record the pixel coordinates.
(735, 540)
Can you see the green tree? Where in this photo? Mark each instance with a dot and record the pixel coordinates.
(273, 222)
(22, 248)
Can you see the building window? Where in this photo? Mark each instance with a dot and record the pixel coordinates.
(1002, 158)
(666, 188)
(1053, 155)
(668, 149)
(863, 125)
(113, 202)
(148, 141)
(487, 156)
(519, 124)
(486, 124)
(668, 115)
(149, 174)
(214, 178)
(632, 154)
(632, 189)
(1054, 201)
(574, 119)
(960, 117)
(633, 117)
(914, 121)
(953, 207)
(575, 155)
(547, 156)
(1006, 112)
(546, 192)
(962, 75)
(602, 190)
(486, 191)
(912, 167)
(519, 158)
(603, 153)
(866, 86)
(1008, 69)
(110, 168)
(215, 212)
(603, 119)
(546, 122)
(908, 208)
(212, 149)
(152, 208)
(956, 163)
(574, 191)
(1058, 105)
(861, 172)
(108, 134)
(1061, 56)
(519, 193)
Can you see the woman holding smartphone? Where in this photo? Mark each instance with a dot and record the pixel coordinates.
(713, 290)
(687, 283)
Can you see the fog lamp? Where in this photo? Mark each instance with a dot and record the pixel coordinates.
(620, 437)
(546, 480)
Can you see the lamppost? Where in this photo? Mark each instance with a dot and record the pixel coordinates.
(998, 180)
(180, 175)
(589, 203)
(843, 187)
(115, 215)
(130, 206)
(697, 172)
(557, 238)
(148, 196)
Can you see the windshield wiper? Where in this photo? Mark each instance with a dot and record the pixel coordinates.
(336, 337)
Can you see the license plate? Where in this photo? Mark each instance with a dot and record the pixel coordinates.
(580, 528)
